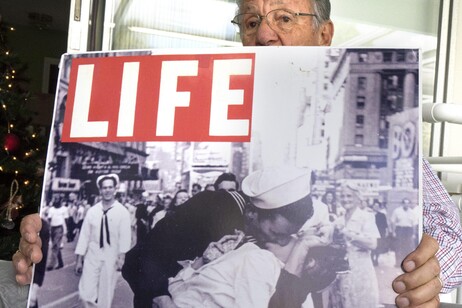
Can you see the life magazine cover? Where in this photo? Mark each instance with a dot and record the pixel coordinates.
(168, 172)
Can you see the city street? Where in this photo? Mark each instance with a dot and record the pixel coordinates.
(60, 287)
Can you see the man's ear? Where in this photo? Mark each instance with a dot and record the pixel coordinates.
(326, 33)
(251, 215)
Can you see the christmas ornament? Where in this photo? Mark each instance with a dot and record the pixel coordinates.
(13, 202)
(11, 142)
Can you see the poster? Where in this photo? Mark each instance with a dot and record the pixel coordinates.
(166, 120)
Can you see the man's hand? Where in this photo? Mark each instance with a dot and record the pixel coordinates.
(78, 265)
(30, 248)
(420, 285)
(120, 261)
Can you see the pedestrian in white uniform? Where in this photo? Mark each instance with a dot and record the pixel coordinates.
(104, 239)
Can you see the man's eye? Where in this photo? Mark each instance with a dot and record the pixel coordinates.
(283, 17)
(286, 18)
(251, 23)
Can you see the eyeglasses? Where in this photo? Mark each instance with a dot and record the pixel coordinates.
(280, 20)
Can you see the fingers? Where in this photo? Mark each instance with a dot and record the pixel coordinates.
(31, 252)
(218, 246)
(24, 279)
(30, 227)
(426, 250)
(228, 238)
(424, 296)
(22, 268)
(420, 285)
(420, 276)
(78, 270)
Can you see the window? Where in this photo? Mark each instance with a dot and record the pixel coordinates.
(360, 102)
(359, 140)
(387, 56)
(383, 142)
(362, 83)
(360, 121)
(400, 56)
(363, 57)
(392, 82)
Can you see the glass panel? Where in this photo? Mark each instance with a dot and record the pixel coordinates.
(179, 23)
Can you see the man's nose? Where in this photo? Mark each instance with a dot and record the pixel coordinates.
(265, 36)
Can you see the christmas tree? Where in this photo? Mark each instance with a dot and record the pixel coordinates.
(23, 148)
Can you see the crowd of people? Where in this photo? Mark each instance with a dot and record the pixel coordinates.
(72, 217)
(146, 237)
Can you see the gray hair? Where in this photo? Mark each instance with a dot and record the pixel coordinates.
(321, 9)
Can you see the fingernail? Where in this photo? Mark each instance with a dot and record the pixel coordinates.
(400, 287)
(402, 302)
(409, 266)
(27, 236)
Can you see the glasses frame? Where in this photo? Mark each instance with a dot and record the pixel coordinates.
(261, 17)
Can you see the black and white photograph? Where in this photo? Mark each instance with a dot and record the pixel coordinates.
(309, 197)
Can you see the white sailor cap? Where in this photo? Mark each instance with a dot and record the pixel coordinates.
(278, 186)
(111, 176)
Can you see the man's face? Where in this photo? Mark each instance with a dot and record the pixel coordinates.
(195, 190)
(107, 190)
(227, 185)
(278, 230)
(406, 205)
(181, 198)
(302, 34)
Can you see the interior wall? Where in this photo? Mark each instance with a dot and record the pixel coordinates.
(33, 45)
(420, 16)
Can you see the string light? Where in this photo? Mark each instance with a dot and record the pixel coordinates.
(20, 160)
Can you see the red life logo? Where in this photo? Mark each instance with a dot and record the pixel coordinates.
(160, 98)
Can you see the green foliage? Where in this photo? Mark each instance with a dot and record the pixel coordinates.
(25, 161)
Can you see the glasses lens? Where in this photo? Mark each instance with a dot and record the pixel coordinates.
(281, 20)
(248, 23)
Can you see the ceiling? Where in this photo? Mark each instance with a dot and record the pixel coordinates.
(43, 14)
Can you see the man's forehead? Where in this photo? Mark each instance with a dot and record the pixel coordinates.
(255, 5)
(107, 183)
